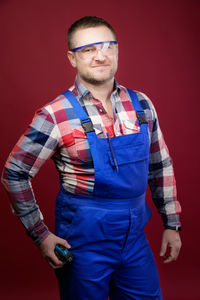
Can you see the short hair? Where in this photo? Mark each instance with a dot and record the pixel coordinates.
(86, 22)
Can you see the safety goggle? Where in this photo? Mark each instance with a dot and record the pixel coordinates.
(91, 49)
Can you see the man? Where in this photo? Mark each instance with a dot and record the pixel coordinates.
(106, 143)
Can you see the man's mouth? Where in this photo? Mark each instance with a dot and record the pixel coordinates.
(100, 66)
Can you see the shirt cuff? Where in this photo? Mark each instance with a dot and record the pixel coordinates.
(38, 232)
(171, 220)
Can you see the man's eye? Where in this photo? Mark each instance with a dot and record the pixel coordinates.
(111, 45)
(87, 50)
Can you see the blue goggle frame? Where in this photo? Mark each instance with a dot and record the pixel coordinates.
(98, 43)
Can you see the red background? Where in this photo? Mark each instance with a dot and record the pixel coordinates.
(159, 55)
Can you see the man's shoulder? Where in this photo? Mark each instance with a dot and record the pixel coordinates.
(145, 101)
(56, 110)
(147, 106)
(57, 104)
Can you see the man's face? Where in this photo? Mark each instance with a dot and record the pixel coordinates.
(98, 67)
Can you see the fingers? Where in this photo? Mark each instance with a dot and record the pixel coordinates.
(51, 258)
(64, 243)
(175, 249)
(163, 248)
(168, 258)
(54, 262)
(174, 252)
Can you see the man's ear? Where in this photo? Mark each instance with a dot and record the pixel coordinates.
(71, 58)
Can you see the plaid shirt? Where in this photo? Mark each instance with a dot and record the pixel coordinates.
(56, 132)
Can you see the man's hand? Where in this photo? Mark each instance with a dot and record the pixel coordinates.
(47, 250)
(171, 239)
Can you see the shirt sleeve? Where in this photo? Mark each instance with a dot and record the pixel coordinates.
(34, 147)
(161, 172)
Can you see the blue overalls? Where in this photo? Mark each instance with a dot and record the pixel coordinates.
(106, 230)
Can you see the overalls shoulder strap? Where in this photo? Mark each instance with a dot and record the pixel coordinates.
(137, 106)
(85, 120)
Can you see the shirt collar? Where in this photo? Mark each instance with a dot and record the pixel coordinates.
(80, 88)
(83, 91)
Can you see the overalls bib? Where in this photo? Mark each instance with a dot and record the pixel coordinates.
(106, 230)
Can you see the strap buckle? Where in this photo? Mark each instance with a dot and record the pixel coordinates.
(87, 125)
(141, 117)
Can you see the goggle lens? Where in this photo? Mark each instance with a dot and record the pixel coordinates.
(90, 50)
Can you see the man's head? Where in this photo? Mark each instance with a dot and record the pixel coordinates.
(93, 50)
(86, 22)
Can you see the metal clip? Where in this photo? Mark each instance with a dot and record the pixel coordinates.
(87, 125)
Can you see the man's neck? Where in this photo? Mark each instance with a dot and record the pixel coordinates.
(102, 91)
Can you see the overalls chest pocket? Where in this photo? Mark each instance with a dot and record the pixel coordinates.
(128, 149)
(128, 172)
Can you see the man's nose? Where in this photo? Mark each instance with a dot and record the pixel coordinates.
(100, 55)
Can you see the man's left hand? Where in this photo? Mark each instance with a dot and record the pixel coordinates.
(171, 239)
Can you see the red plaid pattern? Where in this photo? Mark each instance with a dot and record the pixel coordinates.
(56, 132)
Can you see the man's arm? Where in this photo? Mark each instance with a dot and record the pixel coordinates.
(162, 184)
(33, 148)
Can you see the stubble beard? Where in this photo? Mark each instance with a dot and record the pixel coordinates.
(94, 81)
